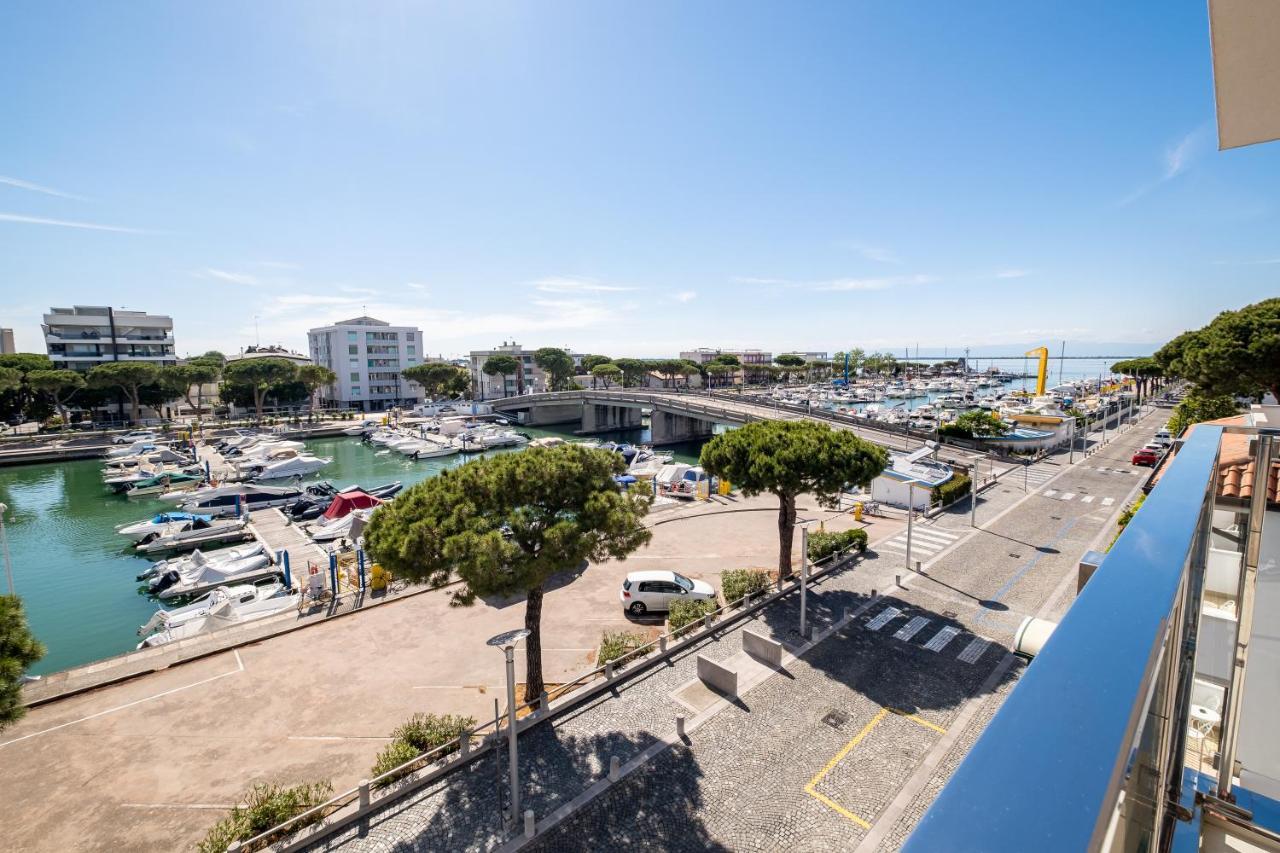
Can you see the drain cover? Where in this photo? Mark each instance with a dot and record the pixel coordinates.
(835, 719)
(1011, 554)
(1056, 517)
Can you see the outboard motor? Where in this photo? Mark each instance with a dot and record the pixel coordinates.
(164, 581)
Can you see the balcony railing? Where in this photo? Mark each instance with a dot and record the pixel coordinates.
(1087, 752)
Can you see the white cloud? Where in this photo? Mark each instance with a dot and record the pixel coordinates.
(38, 188)
(368, 291)
(685, 296)
(227, 276)
(771, 282)
(1178, 157)
(884, 283)
(1013, 273)
(413, 285)
(67, 223)
(573, 284)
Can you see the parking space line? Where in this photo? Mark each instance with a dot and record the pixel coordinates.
(1108, 501)
(1048, 493)
(811, 788)
(1068, 496)
(1087, 499)
(974, 650)
(918, 720)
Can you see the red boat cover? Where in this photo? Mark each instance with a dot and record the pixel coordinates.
(346, 502)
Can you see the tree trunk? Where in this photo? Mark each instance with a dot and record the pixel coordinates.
(786, 531)
(134, 406)
(258, 394)
(533, 685)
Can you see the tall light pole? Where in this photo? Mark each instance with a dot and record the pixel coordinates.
(4, 542)
(507, 642)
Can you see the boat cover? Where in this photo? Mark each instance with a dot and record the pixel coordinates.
(347, 502)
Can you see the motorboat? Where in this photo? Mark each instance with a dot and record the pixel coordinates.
(224, 499)
(260, 447)
(139, 530)
(431, 447)
(679, 480)
(136, 448)
(206, 576)
(185, 535)
(166, 483)
(367, 425)
(320, 496)
(199, 558)
(295, 466)
(160, 456)
(348, 526)
(221, 608)
(125, 480)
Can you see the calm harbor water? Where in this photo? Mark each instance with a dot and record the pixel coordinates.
(76, 574)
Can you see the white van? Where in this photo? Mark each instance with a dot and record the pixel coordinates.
(1162, 438)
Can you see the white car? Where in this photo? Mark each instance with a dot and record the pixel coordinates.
(645, 591)
(1163, 438)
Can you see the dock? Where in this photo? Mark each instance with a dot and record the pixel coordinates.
(281, 536)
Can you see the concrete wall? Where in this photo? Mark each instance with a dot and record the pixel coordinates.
(607, 418)
(669, 428)
(762, 648)
(559, 413)
(717, 676)
(1258, 747)
(894, 492)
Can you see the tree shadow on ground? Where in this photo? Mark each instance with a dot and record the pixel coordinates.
(660, 801)
(556, 581)
(893, 672)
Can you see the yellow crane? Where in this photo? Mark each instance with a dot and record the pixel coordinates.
(1043, 354)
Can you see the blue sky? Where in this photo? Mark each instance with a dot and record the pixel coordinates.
(629, 178)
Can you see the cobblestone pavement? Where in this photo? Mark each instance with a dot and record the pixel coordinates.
(812, 757)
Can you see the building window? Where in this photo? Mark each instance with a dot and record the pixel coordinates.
(353, 349)
(412, 360)
(412, 349)
(355, 390)
(355, 377)
(351, 336)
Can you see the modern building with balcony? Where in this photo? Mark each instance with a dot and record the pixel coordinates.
(84, 336)
(368, 355)
(1148, 721)
(702, 355)
(7, 345)
(529, 379)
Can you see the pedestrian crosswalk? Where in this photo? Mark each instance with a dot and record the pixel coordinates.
(926, 542)
(1103, 469)
(918, 626)
(1034, 476)
(1069, 496)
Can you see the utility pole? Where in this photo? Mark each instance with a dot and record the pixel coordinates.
(804, 582)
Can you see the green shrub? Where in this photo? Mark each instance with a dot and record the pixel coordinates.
(823, 544)
(392, 756)
(618, 644)
(427, 731)
(684, 612)
(266, 806)
(418, 734)
(950, 491)
(736, 583)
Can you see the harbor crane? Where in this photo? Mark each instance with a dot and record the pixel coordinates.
(1043, 354)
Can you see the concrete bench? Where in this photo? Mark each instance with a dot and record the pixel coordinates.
(762, 648)
(717, 676)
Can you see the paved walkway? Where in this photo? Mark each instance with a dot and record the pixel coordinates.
(845, 748)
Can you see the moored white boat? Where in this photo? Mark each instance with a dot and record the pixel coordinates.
(223, 607)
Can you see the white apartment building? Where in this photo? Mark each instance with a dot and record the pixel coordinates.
(367, 356)
(530, 379)
(84, 336)
(702, 355)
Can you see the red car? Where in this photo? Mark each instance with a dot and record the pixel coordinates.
(1146, 456)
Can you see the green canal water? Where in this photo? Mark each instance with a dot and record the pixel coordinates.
(75, 574)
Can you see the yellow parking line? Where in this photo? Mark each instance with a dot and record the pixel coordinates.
(811, 788)
(919, 720)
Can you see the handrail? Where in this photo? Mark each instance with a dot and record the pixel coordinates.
(541, 708)
(1047, 773)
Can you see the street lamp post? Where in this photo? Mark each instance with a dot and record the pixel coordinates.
(804, 582)
(911, 511)
(507, 642)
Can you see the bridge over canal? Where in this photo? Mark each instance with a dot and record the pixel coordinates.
(684, 416)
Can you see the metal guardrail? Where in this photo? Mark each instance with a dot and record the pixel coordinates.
(460, 751)
(1086, 751)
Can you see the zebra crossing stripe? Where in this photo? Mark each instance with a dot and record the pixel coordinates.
(1108, 501)
(944, 538)
(1087, 499)
(1102, 470)
(892, 545)
(1068, 496)
(974, 650)
(940, 639)
(1048, 493)
(909, 630)
(886, 616)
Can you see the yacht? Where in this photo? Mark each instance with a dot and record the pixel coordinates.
(348, 526)
(139, 530)
(224, 499)
(202, 577)
(288, 467)
(137, 448)
(185, 535)
(224, 606)
(187, 562)
(165, 483)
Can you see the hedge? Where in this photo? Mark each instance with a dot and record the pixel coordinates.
(419, 734)
(736, 583)
(685, 612)
(615, 645)
(265, 806)
(950, 491)
(824, 544)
